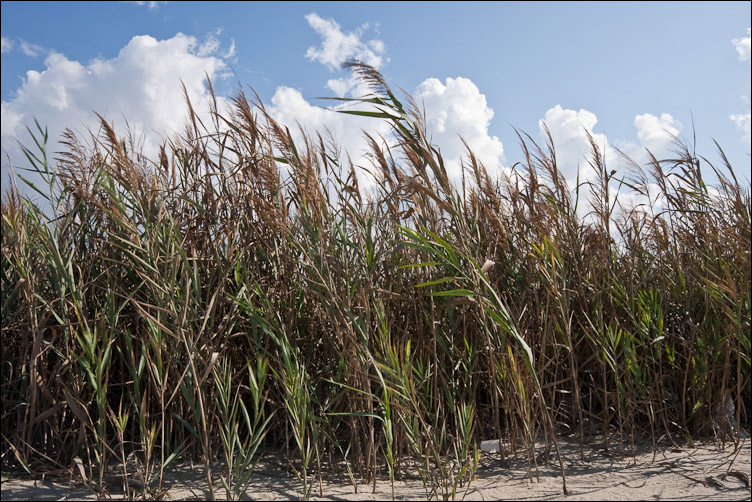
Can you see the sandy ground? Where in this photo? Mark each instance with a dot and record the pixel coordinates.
(703, 471)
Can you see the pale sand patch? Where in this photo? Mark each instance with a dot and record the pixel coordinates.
(688, 473)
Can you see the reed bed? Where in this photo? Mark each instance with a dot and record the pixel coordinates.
(241, 293)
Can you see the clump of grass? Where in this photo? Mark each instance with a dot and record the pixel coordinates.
(401, 325)
(240, 455)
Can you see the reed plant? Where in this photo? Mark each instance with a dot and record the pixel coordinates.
(167, 308)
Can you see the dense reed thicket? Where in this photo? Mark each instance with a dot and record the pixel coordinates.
(242, 291)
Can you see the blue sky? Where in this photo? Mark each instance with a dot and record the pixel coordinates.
(627, 72)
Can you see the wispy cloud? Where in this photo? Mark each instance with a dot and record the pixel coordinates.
(742, 120)
(31, 50)
(743, 46)
(338, 46)
(150, 5)
(212, 45)
(6, 44)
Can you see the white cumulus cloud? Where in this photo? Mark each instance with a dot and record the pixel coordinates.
(458, 108)
(655, 134)
(142, 85)
(569, 130)
(291, 109)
